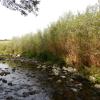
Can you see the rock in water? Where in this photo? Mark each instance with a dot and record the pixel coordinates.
(9, 98)
(82, 80)
(25, 94)
(10, 84)
(4, 73)
(13, 69)
(97, 86)
(4, 81)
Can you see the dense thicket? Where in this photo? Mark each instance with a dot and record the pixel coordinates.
(74, 39)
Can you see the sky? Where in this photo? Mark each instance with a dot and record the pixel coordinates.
(12, 23)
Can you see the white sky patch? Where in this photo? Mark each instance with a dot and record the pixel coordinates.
(12, 23)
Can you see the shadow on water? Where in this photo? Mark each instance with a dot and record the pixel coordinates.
(23, 81)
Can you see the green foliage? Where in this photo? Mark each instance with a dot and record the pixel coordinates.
(94, 71)
(25, 6)
(5, 47)
(98, 79)
(74, 39)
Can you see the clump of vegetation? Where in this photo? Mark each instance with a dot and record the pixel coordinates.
(73, 39)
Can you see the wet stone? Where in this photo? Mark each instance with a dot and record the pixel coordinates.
(63, 76)
(13, 69)
(10, 84)
(0, 79)
(4, 81)
(25, 94)
(33, 92)
(97, 86)
(4, 73)
(59, 81)
(9, 98)
(1, 90)
(74, 89)
(6, 68)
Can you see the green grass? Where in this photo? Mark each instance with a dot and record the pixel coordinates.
(73, 39)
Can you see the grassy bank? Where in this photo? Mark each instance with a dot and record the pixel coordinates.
(73, 39)
(5, 48)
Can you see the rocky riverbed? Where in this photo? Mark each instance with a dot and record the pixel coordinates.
(23, 83)
(32, 80)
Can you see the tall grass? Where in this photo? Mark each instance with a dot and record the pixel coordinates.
(73, 39)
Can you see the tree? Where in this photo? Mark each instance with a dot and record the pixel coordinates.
(24, 6)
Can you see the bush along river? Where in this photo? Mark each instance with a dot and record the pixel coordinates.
(32, 80)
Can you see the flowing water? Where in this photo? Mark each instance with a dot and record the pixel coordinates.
(23, 83)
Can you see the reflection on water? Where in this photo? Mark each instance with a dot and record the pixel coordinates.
(3, 66)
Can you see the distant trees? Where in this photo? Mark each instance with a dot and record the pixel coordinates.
(24, 6)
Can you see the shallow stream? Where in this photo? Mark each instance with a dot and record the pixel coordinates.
(23, 82)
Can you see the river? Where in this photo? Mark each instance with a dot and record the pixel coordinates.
(23, 81)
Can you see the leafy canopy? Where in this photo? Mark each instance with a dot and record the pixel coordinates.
(24, 6)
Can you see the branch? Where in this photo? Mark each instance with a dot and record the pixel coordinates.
(25, 6)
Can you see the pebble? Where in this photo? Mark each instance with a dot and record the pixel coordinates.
(97, 86)
(39, 67)
(0, 79)
(33, 92)
(4, 81)
(69, 69)
(56, 71)
(44, 66)
(63, 76)
(10, 84)
(9, 98)
(25, 94)
(58, 81)
(64, 68)
(93, 79)
(13, 69)
(74, 89)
